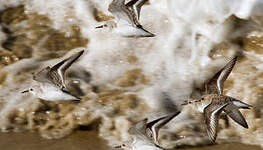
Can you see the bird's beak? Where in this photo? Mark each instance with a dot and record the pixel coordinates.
(25, 91)
(157, 145)
(99, 27)
(118, 146)
(65, 90)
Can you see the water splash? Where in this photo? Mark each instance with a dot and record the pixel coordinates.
(123, 80)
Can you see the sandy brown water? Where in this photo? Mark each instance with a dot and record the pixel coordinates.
(27, 33)
(84, 140)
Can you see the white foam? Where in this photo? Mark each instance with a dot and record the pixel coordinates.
(172, 61)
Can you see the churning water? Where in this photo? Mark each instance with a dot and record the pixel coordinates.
(123, 80)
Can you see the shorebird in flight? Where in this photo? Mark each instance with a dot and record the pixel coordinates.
(145, 135)
(50, 82)
(126, 22)
(214, 102)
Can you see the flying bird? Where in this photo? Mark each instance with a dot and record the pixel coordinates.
(145, 135)
(50, 81)
(126, 22)
(214, 102)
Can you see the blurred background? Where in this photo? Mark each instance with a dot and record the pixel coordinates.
(124, 80)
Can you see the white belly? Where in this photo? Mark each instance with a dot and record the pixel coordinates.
(52, 93)
(130, 31)
(146, 147)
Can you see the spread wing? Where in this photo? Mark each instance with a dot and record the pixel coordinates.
(57, 72)
(155, 125)
(216, 84)
(42, 76)
(211, 115)
(122, 12)
(136, 5)
(138, 128)
(160, 122)
(241, 104)
(233, 112)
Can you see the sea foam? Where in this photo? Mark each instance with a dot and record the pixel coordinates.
(134, 78)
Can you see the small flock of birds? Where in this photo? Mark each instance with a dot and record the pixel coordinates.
(50, 85)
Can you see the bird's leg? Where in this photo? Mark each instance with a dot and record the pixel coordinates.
(26, 91)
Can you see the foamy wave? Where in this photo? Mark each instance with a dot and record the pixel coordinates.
(119, 79)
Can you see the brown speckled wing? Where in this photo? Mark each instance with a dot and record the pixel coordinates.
(57, 72)
(211, 115)
(216, 84)
(136, 5)
(121, 11)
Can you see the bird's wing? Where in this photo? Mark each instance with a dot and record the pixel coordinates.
(241, 104)
(160, 122)
(136, 5)
(216, 84)
(211, 115)
(122, 12)
(139, 128)
(57, 72)
(42, 76)
(232, 111)
(155, 125)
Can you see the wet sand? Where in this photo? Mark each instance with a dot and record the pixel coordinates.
(83, 140)
(80, 140)
(227, 146)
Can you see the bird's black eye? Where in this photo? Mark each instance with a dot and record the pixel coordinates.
(31, 89)
(123, 145)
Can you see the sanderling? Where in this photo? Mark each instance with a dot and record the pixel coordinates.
(213, 102)
(50, 82)
(127, 19)
(145, 135)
